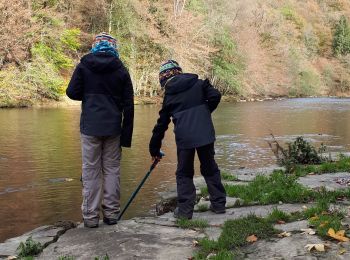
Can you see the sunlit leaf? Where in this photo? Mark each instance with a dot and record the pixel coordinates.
(340, 235)
(252, 239)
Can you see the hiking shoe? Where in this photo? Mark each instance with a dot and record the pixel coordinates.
(90, 224)
(217, 211)
(178, 215)
(110, 221)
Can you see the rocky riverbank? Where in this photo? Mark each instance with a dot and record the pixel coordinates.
(278, 223)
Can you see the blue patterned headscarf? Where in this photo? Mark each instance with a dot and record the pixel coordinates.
(105, 43)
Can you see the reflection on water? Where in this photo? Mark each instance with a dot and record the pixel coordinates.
(40, 153)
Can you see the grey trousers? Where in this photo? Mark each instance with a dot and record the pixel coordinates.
(100, 177)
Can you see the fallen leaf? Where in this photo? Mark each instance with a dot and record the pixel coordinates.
(311, 173)
(324, 224)
(11, 257)
(308, 231)
(304, 207)
(314, 218)
(338, 236)
(252, 239)
(281, 222)
(195, 243)
(340, 233)
(317, 247)
(341, 251)
(211, 255)
(284, 234)
(68, 179)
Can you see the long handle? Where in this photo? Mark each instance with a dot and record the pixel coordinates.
(154, 164)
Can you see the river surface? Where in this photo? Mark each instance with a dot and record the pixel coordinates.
(40, 157)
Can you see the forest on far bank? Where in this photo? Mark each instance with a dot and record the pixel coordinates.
(247, 48)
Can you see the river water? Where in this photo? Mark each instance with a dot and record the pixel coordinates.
(40, 148)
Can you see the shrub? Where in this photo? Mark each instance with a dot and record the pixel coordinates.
(45, 78)
(29, 248)
(197, 6)
(298, 152)
(290, 15)
(56, 56)
(70, 39)
(227, 64)
(341, 39)
(308, 83)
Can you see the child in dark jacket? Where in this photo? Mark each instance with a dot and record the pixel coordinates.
(104, 86)
(189, 101)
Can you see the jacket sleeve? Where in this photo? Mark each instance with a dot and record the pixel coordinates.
(159, 131)
(212, 95)
(128, 112)
(75, 88)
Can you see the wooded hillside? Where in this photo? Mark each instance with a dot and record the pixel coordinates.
(246, 47)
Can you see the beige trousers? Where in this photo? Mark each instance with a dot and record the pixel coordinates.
(100, 177)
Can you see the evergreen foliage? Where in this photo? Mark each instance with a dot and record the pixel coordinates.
(341, 40)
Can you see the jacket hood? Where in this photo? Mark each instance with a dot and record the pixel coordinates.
(180, 83)
(101, 62)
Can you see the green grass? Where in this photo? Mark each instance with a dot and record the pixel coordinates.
(235, 232)
(270, 190)
(105, 257)
(191, 224)
(278, 215)
(66, 258)
(29, 248)
(343, 165)
(202, 208)
(228, 177)
(204, 191)
(233, 236)
(325, 221)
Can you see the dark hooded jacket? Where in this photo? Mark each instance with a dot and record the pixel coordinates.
(104, 86)
(189, 101)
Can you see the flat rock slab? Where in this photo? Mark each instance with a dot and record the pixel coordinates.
(293, 226)
(230, 203)
(327, 180)
(127, 240)
(293, 247)
(45, 235)
(250, 174)
(235, 213)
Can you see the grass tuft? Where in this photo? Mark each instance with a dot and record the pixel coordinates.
(190, 224)
(204, 191)
(343, 165)
(277, 215)
(29, 248)
(235, 232)
(325, 221)
(271, 189)
(228, 177)
(202, 208)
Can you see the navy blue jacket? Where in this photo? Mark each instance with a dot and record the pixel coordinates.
(189, 101)
(104, 86)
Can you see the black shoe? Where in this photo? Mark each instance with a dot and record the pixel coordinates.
(110, 221)
(90, 225)
(217, 211)
(178, 216)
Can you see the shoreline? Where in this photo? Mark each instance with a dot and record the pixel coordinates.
(157, 100)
